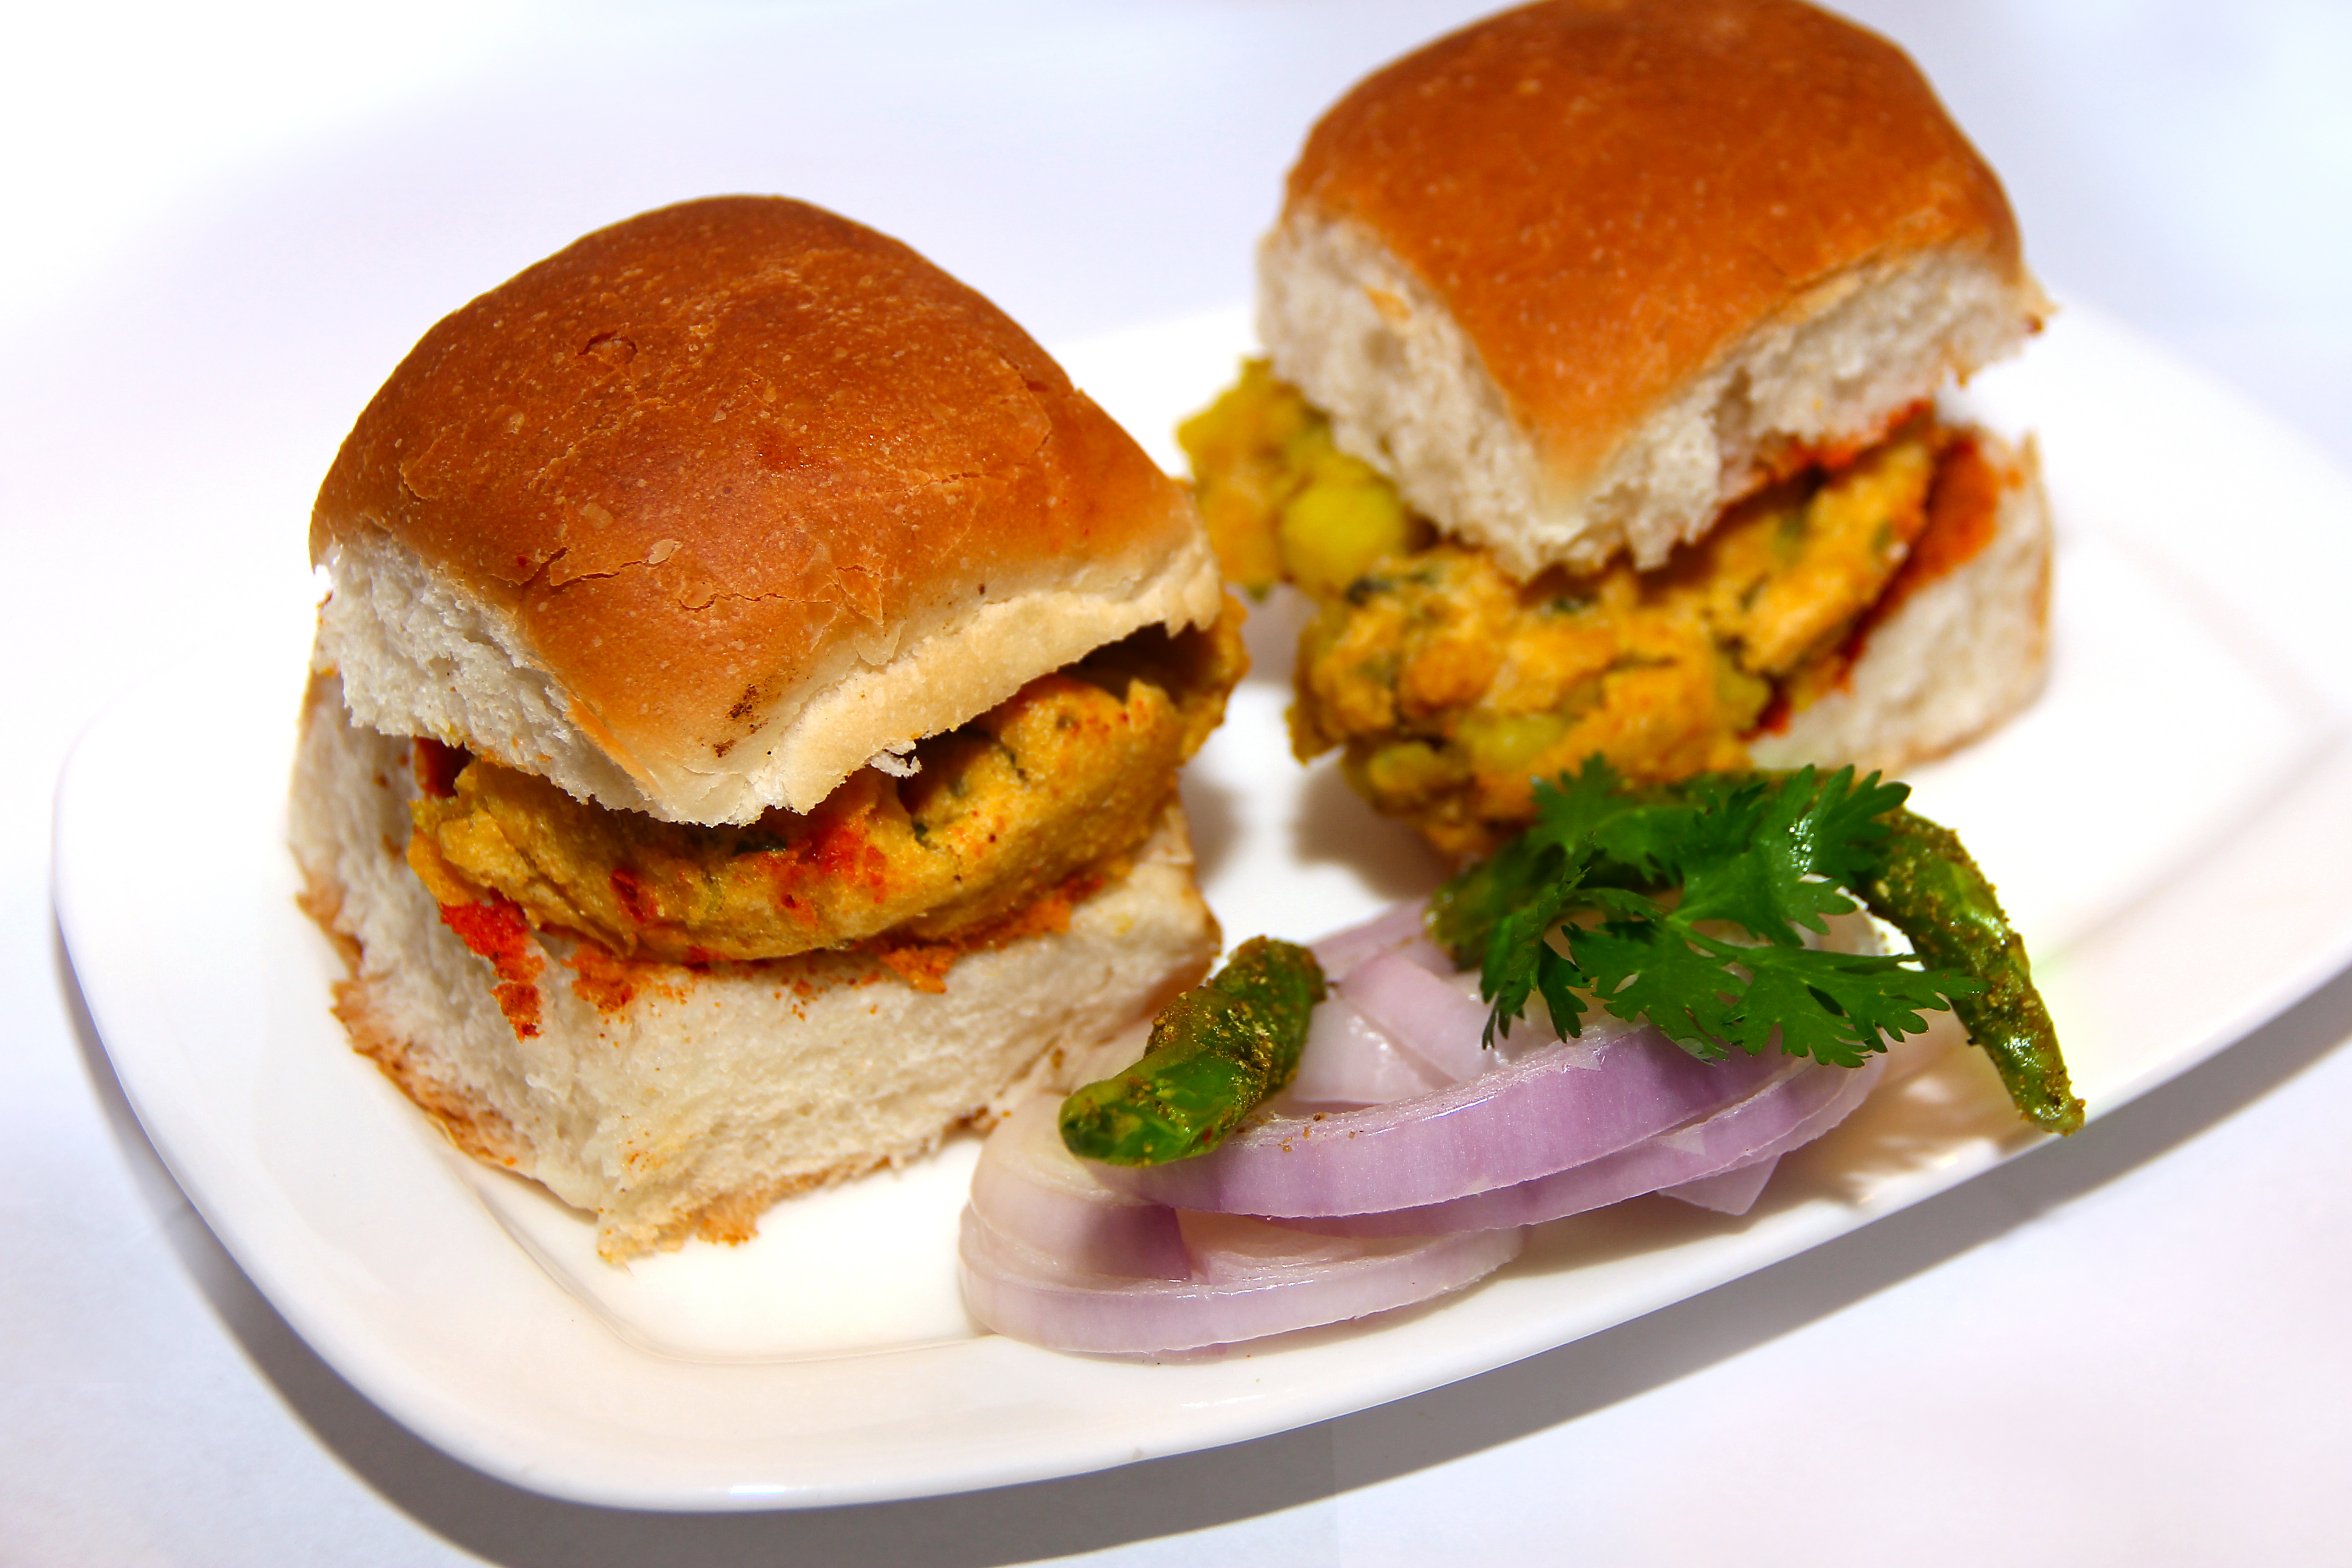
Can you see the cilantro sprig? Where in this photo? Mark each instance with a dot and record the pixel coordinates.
(1685, 907)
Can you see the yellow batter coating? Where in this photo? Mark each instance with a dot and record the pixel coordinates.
(1065, 777)
(1449, 686)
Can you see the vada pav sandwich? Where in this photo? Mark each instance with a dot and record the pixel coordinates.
(1599, 416)
(744, 734)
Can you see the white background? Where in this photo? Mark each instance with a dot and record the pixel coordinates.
(224, 224)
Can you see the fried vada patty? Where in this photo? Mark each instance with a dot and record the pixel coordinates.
(1450, 686)
(1066, 776)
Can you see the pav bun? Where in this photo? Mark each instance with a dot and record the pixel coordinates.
(1580, 275)
(704, 511)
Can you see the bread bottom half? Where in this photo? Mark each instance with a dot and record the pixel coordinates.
(675, 1102)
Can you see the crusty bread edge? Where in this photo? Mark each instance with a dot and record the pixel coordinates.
(419, 655)
(1369, 344)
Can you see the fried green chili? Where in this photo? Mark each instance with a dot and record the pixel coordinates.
(1216, 1052)
(1928, 888)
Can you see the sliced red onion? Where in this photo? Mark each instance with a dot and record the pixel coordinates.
(1428, 1015)
(1393, 1203)
(1347, 1061)
(1731, 1192)
(1341, 951)
(1029, 1185)
(1560, 1105)
(1797, 1103)
(1252, 1279)
(1435, 959)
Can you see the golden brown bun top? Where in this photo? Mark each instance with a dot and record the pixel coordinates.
(1605, 193)
(699, 455)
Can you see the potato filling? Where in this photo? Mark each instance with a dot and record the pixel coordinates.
(1063, 779)
(1450, 686)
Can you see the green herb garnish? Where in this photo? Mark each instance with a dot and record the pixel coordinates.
(1216, 1052)
(1684, 905)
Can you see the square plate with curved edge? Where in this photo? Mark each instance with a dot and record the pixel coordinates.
(830, 1360)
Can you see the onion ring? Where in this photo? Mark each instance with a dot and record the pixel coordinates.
(1800, 1102)
(1252, 1279)
(1348, 1061)
(1028, 1185)
(1558, 1106)
(1732, 1192)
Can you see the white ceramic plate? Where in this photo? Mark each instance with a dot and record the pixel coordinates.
(2170, 826)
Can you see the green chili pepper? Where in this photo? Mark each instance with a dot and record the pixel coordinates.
(1927, 887)
(1216, 1052)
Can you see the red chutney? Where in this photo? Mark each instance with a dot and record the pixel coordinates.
(846, 856)
(636, 901)
(1963, 514)
(838, 856)
(609, 983)
(602, 981)
(1779, 710)
(1963, 510)
(436, 766)
(496, 930)
(924, 964)
(1788, 459)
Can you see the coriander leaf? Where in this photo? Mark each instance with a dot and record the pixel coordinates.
(1838, 1008)
(1661, 834)
(1649, 971)
(1846, 829)
(1765, 874)
(1465, 911)
(1623, 902)
(1559, 981)
(1569, 810)
(1514, 955)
